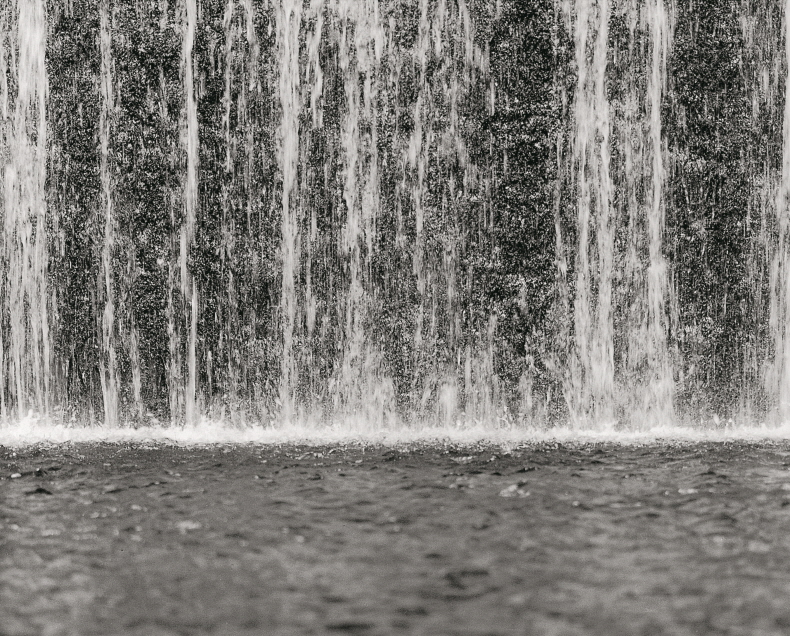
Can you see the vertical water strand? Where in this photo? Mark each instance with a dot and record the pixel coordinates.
(229, 325)
(360, 48)
(250, 100)
(583, 115)
(593, 369)
(452, 149)
(772, 73)
(779, 374)
(134, 336)
(289, 19)
(5, 135)
(38, 302)
(417, 161)
(378, 387)
(762, 39)
(315, 85)
(188, 285)
(350, 24)
(602, 359)
(560, 360)
(109, 380)
(25, 215)
(632, 130)
(661, 392)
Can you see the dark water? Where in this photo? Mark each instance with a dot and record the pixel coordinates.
(426, 538)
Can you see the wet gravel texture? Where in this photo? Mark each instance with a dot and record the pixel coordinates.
(422, 539)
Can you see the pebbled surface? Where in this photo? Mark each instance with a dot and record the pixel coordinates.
(539, 539)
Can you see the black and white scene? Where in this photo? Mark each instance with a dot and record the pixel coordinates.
(372, 317)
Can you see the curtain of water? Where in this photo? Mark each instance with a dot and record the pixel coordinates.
(227, 369)
(109, 379)
(658, 405)
(779, 373)
(593, 383)
(188, 284)
(372, 118)
(5, 141)
(25, 238)
(229, 331)
(315, 34)
(763, 55)
(417, 162)
(621, 288)
(289, 20)
(361, 41)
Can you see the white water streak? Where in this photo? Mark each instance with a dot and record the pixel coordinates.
(109, 379)
(289, 21)
(188, 285)
(661, 391)
(25, 214)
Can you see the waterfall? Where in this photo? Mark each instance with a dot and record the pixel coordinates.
(779, 374)
(593, 328)
(658, 404)
(619, 182)
(187, 237)
(109, 379)
(289, 17)
(394, 211)
(25, 214)
(360, 51)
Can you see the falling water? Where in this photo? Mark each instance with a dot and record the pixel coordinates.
(109, 379)
(360, 50)
(289, 17)
(227, 342)
(606, 382)
(764, 52)
(25, 214)
(779, 374)
(446, 54)
(658, 404)
(594, 381)
(226, 366)
(336, 209)
(417, 163)
(647, 359)
(188, 285)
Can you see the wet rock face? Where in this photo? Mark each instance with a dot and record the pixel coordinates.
(392, 209)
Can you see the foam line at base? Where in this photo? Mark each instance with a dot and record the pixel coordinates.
(32, 431)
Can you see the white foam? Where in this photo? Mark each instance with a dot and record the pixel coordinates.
(32, 430)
